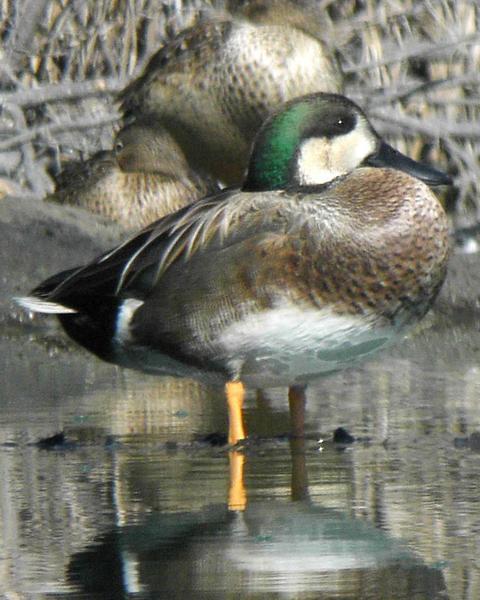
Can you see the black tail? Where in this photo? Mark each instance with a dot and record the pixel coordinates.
(94, 326)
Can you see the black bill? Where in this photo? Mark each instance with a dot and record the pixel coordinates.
(386, 156)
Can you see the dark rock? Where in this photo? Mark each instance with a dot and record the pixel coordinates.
(341, 436)
(215, 439)
(57, 441)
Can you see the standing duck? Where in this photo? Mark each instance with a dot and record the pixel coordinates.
(143, 178)
(214, 84)
(331, 249)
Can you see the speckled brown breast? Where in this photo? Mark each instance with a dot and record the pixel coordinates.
(384, 250)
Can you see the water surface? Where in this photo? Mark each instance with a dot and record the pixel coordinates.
(135, 503)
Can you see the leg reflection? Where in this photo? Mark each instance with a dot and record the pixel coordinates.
(297, 401)
(237, 495)
(299, 481)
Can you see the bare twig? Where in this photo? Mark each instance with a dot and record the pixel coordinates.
(62, 68)
(29, 14)
(382, 96)
(471, 80)
(412, 50)
(429, 128)
(32, 133)
(61, 92)
(37, 178)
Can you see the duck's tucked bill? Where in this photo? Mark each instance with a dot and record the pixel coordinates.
(332, 248)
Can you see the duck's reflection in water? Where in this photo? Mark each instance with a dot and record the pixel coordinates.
(409, 480)
(253, 548)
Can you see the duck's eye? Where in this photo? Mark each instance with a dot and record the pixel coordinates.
(344, 124)
(118, 146)
(332, 127)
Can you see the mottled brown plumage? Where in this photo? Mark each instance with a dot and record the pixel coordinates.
(273, 252)
(333, 247)
(143, 178)
(214, 84)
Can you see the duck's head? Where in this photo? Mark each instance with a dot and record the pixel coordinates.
(144, 146)
(314, 139)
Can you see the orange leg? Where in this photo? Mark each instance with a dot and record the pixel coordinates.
(235, 395)
(237, 496)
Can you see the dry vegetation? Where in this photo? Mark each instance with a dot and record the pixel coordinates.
(414, 66)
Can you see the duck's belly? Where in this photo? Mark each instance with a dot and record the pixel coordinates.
(278, 347)
(289, 345)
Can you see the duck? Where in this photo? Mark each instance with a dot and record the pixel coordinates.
(213, 84)
(333, 247)
(141, 179)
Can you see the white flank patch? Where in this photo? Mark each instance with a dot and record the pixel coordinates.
(124, 318)
(288, 343)
(294, 328)
(43, 306)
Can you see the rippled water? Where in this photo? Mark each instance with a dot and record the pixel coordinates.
(136, 503)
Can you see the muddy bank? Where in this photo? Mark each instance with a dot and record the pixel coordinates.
(40, 238)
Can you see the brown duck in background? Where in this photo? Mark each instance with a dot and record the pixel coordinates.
(143, 178)
(214, 84)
